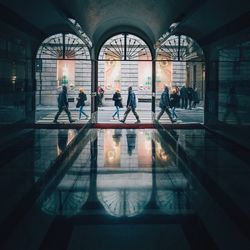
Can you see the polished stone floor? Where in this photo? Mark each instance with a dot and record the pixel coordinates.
(123, 189)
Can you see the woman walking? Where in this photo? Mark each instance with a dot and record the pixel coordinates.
(174, 99)
(117, 103)
(81, 103)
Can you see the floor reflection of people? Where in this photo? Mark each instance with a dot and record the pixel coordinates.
(232, 106)
(117, 136)
(131, 140)
(62, 139)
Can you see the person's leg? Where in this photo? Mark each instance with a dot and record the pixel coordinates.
(169, 115)
(136, 115)
(190, 103)
(115, 113)
(82, 111)
(186, 102)
(160, 114)
(173, 112)
(68, 114)
(126, 114)
(58, 113)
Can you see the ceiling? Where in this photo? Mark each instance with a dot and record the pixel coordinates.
(148, 18)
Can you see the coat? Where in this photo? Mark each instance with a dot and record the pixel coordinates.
(164, 101)
(174, 100)
(131, 102)
(118, 99)
(81, 99)
(62, 99)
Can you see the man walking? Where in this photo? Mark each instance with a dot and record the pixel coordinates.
(131, 105)
(165, 104)
(63, 105)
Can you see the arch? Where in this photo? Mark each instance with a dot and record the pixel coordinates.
(124, 60)
(179, 48)
(100, 37)
(180, 63)
(125, 46)
(63, 46)
(62, 59)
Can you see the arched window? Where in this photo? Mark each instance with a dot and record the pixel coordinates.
(125, 60)
(125, 47)
(62, 59)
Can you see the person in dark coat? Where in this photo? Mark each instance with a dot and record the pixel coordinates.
(131, 105)
(196, 99)
(81, 103)
(174, 100)
(63, 105)
(165, 104)
(183, 96)
(190, 96)
(117, 103)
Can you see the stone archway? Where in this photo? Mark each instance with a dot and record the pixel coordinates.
(125, 60)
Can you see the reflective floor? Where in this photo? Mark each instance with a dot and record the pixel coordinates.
(126, 189)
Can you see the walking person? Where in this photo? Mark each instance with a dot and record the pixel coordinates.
(81, 103)
(100, 95)
(196, 98)
(117, 103)
(183, 96)
(165, 105)
(63, 105)
(131, 105)
(174, 100)
(190, 96)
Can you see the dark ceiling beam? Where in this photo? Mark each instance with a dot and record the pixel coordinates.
(12, 18)
(233, 27)
(181, 19)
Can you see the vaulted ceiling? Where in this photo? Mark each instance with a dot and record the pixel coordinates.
(198, 18)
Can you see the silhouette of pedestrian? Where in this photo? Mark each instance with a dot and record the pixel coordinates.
(232, 105)
(131, 105)
(63, 105)
(165, 104)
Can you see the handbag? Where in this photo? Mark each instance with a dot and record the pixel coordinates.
(78, 104)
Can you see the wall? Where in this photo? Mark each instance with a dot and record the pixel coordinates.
(16, 81)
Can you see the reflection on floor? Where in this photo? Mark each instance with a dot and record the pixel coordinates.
(132, 189)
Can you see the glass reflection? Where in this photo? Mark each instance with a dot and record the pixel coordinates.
(112, 149)
(131, 140)
(127, 190)
(70, 195)
(64, 138)
(171, 185)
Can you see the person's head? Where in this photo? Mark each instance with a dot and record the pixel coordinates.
(117, 90)
(130, 88)
(64, 88)
(166, 88)
(81, 90)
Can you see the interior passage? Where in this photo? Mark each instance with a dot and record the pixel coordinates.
(123, 189)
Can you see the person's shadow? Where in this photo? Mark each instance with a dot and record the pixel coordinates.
(131, 140)
(232, 106)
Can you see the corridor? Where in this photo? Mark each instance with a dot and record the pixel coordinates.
(124, 189)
